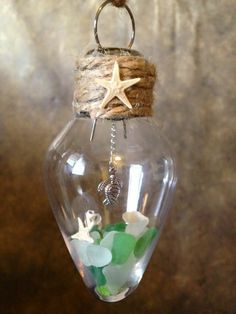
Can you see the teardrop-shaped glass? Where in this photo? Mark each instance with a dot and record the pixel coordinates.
(110, 243)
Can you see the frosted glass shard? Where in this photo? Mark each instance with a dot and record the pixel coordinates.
(117, 275)
(107, 241)
(98, 256)
(96, 236)
(136, 222)
(79, 248)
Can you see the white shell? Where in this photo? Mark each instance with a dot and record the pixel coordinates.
(92, 219)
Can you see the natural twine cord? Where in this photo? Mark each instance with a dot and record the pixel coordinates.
(88, 94)
(119, 3)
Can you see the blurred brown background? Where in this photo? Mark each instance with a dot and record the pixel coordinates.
(193, 268)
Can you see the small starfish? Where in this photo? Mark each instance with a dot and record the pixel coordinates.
(116, 87)
(83, 233)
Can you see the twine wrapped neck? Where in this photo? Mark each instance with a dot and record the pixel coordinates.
(88, 94)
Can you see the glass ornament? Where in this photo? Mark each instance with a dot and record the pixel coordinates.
(110, 192)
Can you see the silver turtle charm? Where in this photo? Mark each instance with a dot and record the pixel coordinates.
(111, 188)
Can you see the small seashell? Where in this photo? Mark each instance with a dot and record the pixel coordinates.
(92, 219)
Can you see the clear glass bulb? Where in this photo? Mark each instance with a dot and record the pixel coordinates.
(112, 249)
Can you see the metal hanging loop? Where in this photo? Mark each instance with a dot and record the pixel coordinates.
(95, 25)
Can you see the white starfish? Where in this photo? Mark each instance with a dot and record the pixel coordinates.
(83, 233)
(116, 87)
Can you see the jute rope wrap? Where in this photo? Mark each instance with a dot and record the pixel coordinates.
(88, 94)
(118, 3)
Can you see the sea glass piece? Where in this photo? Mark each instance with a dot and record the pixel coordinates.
(107, 241)
(79, 248)
(95, 228)
(98, 275)
(117, 275)
(98, 255)
(136, 222)
(144, 242)
(123, 245)
(120, 226)
(103, 291)
(96, 236)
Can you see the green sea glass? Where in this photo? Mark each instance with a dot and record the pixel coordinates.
(120, 226)
(98, 275)
(103, 291)
(123, 245)
(144, 242)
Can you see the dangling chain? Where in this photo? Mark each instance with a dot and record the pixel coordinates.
(112, 147)
(111, 186)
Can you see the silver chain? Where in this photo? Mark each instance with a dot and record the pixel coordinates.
(112, 145)
(112, 186)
